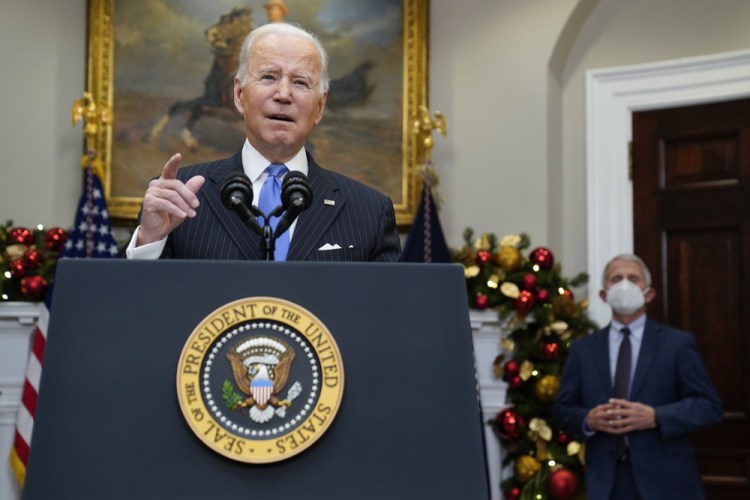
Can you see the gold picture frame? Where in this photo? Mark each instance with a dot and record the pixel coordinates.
(401, 173)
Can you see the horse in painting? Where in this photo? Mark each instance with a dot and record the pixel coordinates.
(225, 39)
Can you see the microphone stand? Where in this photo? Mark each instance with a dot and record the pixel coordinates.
(268, 239)
(237, 195)
(267, 243)
(249, 215)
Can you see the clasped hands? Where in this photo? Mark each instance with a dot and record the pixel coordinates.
(620, 416)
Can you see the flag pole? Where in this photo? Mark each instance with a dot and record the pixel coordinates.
(424, 126)
(96, 117)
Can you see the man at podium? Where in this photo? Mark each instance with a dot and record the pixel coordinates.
(280, 88)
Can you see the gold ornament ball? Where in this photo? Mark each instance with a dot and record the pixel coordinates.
(16, 251)
(526, 467)
(509, 258)
(546, 388)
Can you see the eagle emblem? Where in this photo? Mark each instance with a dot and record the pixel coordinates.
(260, 368)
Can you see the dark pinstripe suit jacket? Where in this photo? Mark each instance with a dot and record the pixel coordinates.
(357, 218)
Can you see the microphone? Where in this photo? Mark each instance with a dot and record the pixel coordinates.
(237, 196)
(296, 196)
(296, 191)
(236, 192)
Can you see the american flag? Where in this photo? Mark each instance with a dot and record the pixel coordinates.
(90, 236)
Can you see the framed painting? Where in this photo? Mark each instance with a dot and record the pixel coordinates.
(165, 70)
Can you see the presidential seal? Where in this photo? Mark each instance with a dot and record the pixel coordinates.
(260, 380)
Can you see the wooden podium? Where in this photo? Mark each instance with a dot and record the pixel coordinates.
(108, 422)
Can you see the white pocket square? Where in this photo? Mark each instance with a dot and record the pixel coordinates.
(328, 246)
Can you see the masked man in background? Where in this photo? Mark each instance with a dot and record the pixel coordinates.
(634, 391)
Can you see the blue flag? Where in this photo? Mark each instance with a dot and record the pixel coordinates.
(426, 242)
(91, 234)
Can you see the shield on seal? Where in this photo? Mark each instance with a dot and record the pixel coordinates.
(261, 391)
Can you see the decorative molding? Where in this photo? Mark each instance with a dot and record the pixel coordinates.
(486, 331)
(612, 95)
(21, 313)
(10, 397)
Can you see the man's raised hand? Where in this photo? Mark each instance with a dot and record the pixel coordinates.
(167, 203)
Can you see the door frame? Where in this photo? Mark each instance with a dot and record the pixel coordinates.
(612, 95)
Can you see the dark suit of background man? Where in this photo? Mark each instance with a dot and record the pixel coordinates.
(280, 88)
(670, 396)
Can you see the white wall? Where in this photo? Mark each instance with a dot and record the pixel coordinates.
(508, 75)
(511, 82)
(489, 76)
(626, 33)
(43, 58)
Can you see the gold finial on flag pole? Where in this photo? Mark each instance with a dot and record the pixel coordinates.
(94, 118)
(424, 125)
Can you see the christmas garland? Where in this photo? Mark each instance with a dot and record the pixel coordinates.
(537, 306)
(27, 261)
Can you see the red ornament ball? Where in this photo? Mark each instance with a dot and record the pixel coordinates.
(481, 301)
(509, 424)
(511, 369)
(483, 257)
(32, 259)
(529, 281)
(54, 239)
(513, 493)
(551, 351)
(563, 438)
(567, 293)
(34, 287)
(542, 295)
(21, 235)
(524, 302)
(542, 257)
(17, 268)
(562, 484)
(515, 382)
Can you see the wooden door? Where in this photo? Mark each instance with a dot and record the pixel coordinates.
(691, 198)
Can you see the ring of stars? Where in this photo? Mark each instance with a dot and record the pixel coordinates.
(230, 421)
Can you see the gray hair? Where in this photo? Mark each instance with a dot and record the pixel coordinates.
(629, 257)
(282, 29)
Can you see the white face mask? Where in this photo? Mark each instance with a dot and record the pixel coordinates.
(625, 297)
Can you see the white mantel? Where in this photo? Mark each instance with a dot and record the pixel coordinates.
(485, 328)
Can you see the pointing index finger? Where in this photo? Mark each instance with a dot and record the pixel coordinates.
(170, 168)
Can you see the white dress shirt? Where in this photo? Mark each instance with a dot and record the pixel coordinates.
(615, 339)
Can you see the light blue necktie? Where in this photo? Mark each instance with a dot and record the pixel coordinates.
(270, 198)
